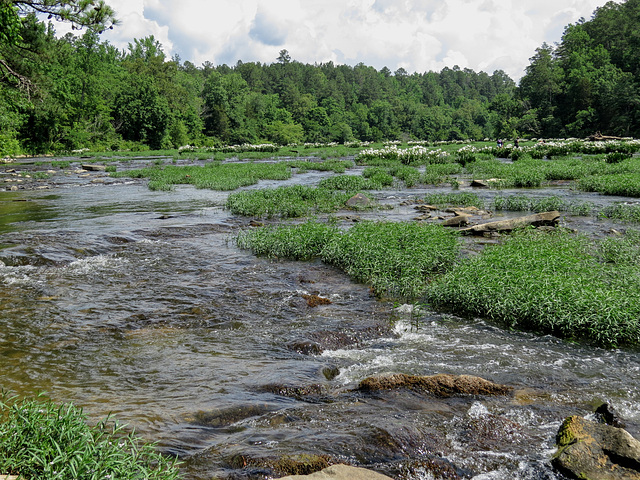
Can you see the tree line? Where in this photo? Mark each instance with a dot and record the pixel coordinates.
(74, 92)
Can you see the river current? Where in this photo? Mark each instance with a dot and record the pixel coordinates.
(138, 303)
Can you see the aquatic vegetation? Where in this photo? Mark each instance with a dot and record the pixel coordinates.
(415, 155)
(454, 199)
(396, 259)
(214, 175)
(298, 242)
(350, 183)
(624, 184)
(552, 283)
(39, 439)
(287, 202)
(336, 166)
(523, 203)
(626, 212)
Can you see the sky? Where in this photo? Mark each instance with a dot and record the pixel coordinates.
(417, 35)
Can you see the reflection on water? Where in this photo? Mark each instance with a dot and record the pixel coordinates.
(134, 302)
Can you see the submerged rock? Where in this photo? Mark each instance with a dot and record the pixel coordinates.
(442, 385)
(592, 450)
(341, 472)
(359, 201)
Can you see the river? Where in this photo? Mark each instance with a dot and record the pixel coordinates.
(138, 303)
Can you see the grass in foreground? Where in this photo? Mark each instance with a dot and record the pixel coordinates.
(396, 259)
(40, 440)
(558, 283)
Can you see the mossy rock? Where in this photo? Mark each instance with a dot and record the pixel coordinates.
(594, 451)
(442, 385)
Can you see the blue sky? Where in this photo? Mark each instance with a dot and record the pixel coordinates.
(417, 35)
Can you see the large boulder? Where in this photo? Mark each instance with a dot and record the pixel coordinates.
(442, 385)
(596, 451)
(340, 472)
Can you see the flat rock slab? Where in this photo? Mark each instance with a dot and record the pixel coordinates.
(90, 167)
(537, 220)
(340, 472)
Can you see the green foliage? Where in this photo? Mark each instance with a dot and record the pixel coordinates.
(214, 175)
(396, 259)
(563, 288)
(298, 242)
(454, 199)
(524, 203)
(286, 202)
(39, 439)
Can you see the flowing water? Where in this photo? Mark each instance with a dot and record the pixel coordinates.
(138, 303)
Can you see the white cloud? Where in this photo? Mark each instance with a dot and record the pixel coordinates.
(418, 35)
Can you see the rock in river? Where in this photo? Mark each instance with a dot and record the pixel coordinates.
(340, 472)
(593, 450)
(442, 385)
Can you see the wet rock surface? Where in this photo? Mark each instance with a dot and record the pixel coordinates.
(593, 450)
(439, 385)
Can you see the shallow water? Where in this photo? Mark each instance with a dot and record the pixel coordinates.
(137, 303)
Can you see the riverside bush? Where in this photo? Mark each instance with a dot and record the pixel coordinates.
(552, 283)
(41, 440)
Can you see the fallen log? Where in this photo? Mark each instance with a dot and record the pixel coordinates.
(537, 220)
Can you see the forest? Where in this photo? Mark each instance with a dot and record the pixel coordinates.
(78, 92)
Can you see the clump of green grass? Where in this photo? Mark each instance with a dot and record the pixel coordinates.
(297, 242)
(214, 175)
(39, 439)
(454, 199)
(350, 183)
(523, 203)
(623, 184)
(622, 211)
(396, 259)
(549, 283)
(287, 202)
(337, 166)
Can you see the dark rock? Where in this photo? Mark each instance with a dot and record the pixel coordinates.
(442, 385)
(330, 372)
(299, 393)
(91, 167)
(306, 347)
(593, 450)
(607, 414)
(225, 417)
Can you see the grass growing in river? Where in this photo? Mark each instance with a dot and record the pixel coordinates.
(396, 259)
(39, 439)
(523, 203)
(558, 283)
(287, 202)
(214, 175)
